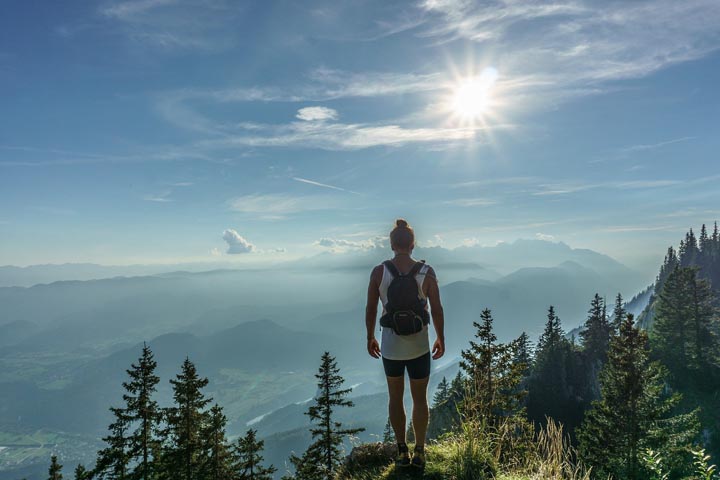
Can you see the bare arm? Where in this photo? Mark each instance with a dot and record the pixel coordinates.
(438, 316)
(373, 296)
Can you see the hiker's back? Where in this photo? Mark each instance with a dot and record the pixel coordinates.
(396, 294)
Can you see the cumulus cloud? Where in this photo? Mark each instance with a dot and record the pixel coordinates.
(310, 114)
(236, 243)
(545, 237)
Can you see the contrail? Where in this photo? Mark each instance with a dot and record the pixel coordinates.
(318, 184)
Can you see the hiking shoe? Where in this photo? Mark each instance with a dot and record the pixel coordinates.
(403, 457)
(418, 459)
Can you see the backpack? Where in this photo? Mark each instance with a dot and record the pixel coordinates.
(405, 310)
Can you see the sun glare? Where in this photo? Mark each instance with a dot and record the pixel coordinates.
(472, 97)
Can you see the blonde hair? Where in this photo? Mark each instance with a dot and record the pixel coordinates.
(402, 235)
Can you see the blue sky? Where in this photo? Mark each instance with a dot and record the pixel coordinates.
(172, 130)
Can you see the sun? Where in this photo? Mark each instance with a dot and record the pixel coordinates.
(472, 97)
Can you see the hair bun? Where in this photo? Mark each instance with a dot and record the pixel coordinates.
(401, 223)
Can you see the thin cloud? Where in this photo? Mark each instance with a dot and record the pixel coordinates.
(278, 206)
(130, 9)
(576, 47)
(310, 114)
(653, 146)
(324, 185)
(471, 202)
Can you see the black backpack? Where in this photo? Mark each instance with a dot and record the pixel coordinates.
(405, 310)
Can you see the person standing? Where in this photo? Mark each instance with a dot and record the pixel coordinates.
(409, 293)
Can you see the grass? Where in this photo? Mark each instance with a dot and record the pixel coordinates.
(471, 454)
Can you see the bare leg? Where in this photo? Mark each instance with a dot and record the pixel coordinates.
(421, 411)
(396, 389)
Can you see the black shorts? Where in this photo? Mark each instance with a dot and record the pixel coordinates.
(418, 368)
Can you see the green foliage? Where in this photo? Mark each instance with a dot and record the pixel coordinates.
(634, 412)
(55, 470)
(388, 432)
(654, 463)
(184, 451)
(81, 473)
(595, 334)
(113, 460)
(142, 410)
(684, 332)
(320, 461)
(218, 463)
(559, 383)
(249, 459)
(492, 377)
(702, 465)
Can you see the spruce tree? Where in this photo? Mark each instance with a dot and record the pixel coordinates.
(143, 411)
(113, 460)
(218, 464)
(618, 313)
(249, 459)
(81, 473)
(442, 393)
(55, 471)
(633, 413)
(522, 355)
(596, 332)
(388, 433)
(184, 454)
(321, 459)
(683, 334)
(493, 377)
(551, 392)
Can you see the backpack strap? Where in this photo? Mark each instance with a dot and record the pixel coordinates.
(396, 273)
(393, 269)
(416, 268)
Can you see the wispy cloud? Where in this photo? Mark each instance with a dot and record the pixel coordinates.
(162, 197)
(277, 206)
(470, 202)
(173, 24)
(567, 45)
(340, 136)
(130, 9)
(341, 244)
(324, 185)
(654, 146)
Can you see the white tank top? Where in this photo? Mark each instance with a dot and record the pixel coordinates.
(403, 347)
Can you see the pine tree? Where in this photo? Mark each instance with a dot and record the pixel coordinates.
(55, 471)
(493, 377)
(549, 386)
(671, 261)
(143, 411)
(388, 433)
(184, 454)
(249, 460)
(523, 353)
(113, 460)
(321, 459)
(618, 313)
(218, 465)
(596, 332)
(633, 413)
(442, 393)
(81, 473)
(553, 333)
(683, 334)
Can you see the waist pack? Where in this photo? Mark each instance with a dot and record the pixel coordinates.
(405, 309)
